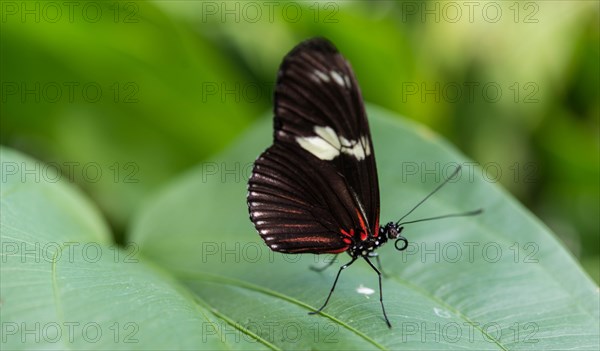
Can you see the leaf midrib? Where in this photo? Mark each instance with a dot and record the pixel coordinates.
(248, 286)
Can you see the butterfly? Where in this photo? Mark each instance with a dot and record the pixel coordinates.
(315, 190)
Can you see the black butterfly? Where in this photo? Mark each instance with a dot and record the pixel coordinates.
(315, 190)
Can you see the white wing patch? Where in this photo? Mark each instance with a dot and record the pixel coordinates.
(319, 76)
(338, 79)
(327, 145)
(322, 77)
(357, 148)
(318, 147)
(329, 135)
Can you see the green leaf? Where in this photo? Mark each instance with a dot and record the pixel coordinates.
(500, 280)
(196, 274)
(65, 286)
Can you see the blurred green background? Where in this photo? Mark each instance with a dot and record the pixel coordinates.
(123, 96)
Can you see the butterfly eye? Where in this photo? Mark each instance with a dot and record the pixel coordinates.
(391, 230)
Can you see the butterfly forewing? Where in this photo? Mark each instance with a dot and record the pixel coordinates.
(316, 186)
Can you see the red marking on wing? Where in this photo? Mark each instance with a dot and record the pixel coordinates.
(337, 251)
(376, 231)
(347, 240)
(363, 236)
(348, 236)
(363, 233)
(345, 233)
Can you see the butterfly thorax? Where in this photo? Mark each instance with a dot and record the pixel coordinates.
(368, 246)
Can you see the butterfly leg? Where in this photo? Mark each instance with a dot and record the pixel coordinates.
(380, 291)
(374, 254)
(334, 284)
(321, 269)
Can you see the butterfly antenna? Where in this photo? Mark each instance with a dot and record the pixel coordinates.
(431, 193)
(470, 213)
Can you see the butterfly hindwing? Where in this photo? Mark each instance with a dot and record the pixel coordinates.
(316, 186)
(292, 204)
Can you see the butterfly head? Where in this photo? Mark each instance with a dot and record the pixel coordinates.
(392, 231)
